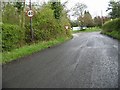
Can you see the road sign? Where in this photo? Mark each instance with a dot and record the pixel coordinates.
(66, 27)
(30, 13)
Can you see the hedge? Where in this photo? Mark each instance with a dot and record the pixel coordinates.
(112, 28)
(12, 37)
(112, 25)
(45, 27)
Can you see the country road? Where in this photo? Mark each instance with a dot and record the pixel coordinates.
(89, 60)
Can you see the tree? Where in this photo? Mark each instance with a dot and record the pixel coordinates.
(88, 21)
(20, 9)
(97, 21)
(80, 21)
(9, 12)
(57, 7)
(114, 8)
(79, 9)
(74, 23)
(19, 6)
(105, 19)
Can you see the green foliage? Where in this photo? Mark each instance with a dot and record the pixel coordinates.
(65, 21)
(10, 15)
(114, 6)
(98, 21)
(46, 27)
(19, 6)
(88, 21)
(114, 34)
(112, 25)
(12, 37)
(57, 7)
(44, 24)
(112, 28)
(74, 23)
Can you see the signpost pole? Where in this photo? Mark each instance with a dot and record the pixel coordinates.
(31, 31)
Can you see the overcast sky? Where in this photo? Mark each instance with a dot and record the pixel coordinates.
(95, 7)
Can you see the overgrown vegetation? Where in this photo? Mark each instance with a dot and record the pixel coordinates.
(48, 24)
(12, 37)
(112, 28)
(30, 49)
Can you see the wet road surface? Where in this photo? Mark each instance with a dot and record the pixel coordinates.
(89, 60)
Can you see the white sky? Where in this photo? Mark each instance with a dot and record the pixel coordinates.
(95, 7)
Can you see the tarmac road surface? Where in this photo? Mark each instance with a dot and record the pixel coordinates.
(89, 60)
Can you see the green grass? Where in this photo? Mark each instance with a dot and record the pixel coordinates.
(114, 34)
(94, 29)
(29, 49)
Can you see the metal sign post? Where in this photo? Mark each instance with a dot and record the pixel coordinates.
(29, 14)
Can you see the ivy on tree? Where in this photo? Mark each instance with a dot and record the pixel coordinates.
(57, 7)
(19, 6)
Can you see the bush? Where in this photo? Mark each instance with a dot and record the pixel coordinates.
(12, 37)
(112, 25)
(112, 28)
(10, 12)
(65, 21)
(46, 26)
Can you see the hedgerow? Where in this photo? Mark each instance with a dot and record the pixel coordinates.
(45, 27)
(112, 28)
(12, 37)
(112, 25)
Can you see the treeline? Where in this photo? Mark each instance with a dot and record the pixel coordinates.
(84, 17)
(87, 20)
(48, 23)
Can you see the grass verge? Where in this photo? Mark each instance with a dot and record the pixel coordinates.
(30, 49)
(94, 29)
(113, 34)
